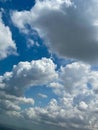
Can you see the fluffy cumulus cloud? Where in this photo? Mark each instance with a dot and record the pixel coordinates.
(27, 74)
(14, 84)
(75, 85)
(69, 27)
(7, 45)
(77, 105)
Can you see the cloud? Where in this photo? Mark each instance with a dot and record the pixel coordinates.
(42, 95)
(7, 45)
(83, 106)
(27, 74)
(69, 28)
(77, 99)
(11, 105)
(13, 85)
(75, 76)
(74, 109)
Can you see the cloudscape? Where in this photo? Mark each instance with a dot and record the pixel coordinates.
(48, 64)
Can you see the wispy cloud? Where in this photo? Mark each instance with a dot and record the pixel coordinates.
(7, 44)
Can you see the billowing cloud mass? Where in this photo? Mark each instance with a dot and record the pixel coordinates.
(7, 45)
(77, 104)
(69, 27)
(75, 85)
(43, 94)
(27, 74)
(14, 84)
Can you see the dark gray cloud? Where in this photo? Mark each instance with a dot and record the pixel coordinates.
(69, 28)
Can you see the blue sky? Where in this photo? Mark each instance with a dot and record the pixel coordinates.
(48, 64)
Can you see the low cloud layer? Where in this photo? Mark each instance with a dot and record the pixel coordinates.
(75, 86)
(70, 28)
(7, 45)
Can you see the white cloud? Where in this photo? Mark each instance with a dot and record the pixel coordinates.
(32, 43)
(10, 104)
(14, 84)
(75, 107)
(28, 74)
(68, 28)
(77, 104)
(42, 95)
(75, 76)
(83, 106)
(7, 45)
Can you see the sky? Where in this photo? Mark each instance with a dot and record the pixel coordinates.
(49, 64)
